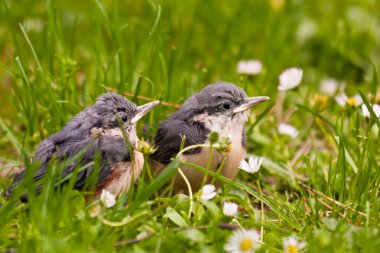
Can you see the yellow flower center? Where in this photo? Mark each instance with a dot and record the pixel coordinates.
(292, 249)
(246, 244)
(352, 101)
(321, 101)
(229, 148)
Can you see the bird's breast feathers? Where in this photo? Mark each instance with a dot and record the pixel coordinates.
(122, 174)
(233, 129)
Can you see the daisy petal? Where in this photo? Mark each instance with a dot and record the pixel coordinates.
(208, 192)
(249, 67)
(286, 129)
(107, 198)
(244, 165)
(290, 78)
(230, 209)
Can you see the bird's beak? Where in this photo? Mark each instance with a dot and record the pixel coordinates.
(249, 102)
(143, 109)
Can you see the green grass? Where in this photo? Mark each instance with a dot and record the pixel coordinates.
(322, 186)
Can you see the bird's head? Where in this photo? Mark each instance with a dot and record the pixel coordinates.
(221, 105)
(113, 110)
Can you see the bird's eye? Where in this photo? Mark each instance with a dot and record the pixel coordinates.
(226, 106)
(124, 118)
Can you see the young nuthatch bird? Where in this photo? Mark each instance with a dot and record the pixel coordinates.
(219, 107)
(96, 130)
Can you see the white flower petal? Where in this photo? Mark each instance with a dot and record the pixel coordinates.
(341, 99)
(208, 192)
(107, 198)
(290, 78)
(208, 188)
(252, 163)
(244, 165)
(255, 163)
(329, 86)
(286, 129)
(249, 67)
(365, 111)
(375, 108)
(230, 209)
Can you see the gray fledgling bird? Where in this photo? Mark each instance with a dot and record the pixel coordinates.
(96, 130)
(219, 107)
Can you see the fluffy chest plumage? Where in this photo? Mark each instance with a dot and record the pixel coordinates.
(226, 127)
(122, 173)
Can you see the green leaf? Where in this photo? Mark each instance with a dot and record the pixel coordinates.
(192, 235)
(213, 208)
(175, 217)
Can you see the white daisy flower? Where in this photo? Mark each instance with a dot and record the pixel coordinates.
(208, 192)
(249, 67)
(253, 164)
(230, 209)
(107, 198)
(355, 100)
(286, 129)
(243, 241)
(290, 78)
(341, 99)
(329, 86)
(375, 108)
(292, 244)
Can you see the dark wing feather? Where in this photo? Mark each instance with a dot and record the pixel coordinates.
(111, 150)
(48, 147)
(168, 138)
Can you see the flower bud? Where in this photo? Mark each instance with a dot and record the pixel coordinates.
(224, 146)
(214, 137)
(145, 147)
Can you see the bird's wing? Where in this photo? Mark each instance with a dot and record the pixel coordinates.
(110, 149)
(169, 137)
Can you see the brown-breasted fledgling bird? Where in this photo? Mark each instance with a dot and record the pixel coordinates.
(96, 131)
(219, 107)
